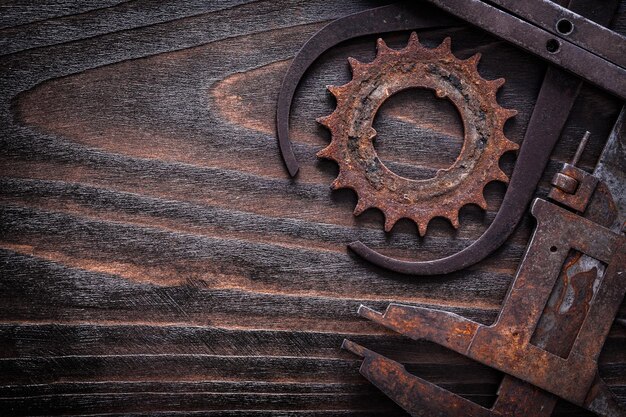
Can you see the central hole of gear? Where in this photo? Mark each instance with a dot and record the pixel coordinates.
(418, 133)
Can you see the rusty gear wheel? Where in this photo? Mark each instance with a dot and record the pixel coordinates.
(352, 133)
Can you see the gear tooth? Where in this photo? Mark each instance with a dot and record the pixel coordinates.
(390, 221)
(324, 121)
(355, 65)
(338, 90)
(328, 152)
(335, 90)
(422, 226)
(413, 41)
(510, 113)
(473, 60)
(324, 153)
(496, 84)
(501, 176)
(510, 145)
(481, 202)
(381, 47)
(361, 206)
(454, 219)
(445, 45)
(338, 183)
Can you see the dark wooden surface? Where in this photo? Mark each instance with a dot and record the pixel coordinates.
(155, 255)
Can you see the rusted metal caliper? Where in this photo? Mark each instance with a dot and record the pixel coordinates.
(570, 284)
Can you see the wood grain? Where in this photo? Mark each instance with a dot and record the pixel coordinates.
(156, 258)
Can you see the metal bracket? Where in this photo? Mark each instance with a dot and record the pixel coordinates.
(573, 187)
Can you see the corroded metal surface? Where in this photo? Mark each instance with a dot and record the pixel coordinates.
(564, 183)
(585, 185)
(611, 170)
(415, 395)
(424, 399)
(556, 97)
(564, 364)
(352, 133)
(562, 22)
(558, 48)
(506, 345)
(573, 50)
(559, 309)
(554, 320)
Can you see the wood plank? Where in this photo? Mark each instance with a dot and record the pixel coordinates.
(157, 259)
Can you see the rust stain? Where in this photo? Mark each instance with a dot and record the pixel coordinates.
(360, 168)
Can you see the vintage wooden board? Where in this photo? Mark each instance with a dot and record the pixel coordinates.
(156, 258)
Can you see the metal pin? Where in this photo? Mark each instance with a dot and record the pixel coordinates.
(581, 148)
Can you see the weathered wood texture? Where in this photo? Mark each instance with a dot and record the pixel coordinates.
(157, 258)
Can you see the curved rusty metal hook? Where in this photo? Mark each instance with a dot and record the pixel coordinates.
(391, 18)
(557, 95)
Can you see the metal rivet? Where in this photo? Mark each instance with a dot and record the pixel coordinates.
(553, 46)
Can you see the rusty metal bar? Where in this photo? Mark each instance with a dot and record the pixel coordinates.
(571, 26)
(526, 35)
